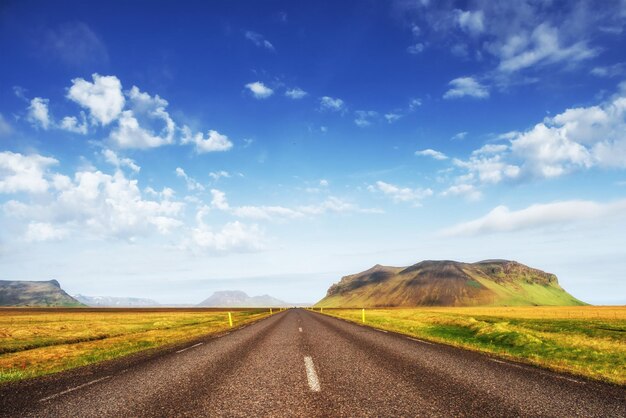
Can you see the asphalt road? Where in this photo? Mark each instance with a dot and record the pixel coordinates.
(299, 363)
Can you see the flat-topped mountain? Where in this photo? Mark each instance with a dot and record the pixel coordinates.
(35, 293)
(239, 299)
(449, 283)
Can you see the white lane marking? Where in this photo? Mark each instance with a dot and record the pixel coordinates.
(420, 341)
(314, 383)
(74, 388)
(300, 329)
(381, 330)
(187, 348)
(536, 371)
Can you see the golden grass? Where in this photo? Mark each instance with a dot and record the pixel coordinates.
(584, 340)
(34, 343)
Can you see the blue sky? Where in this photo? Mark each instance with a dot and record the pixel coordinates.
(169, 150)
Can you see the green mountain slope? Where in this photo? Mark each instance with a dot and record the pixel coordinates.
(25, 293)
(449, 283)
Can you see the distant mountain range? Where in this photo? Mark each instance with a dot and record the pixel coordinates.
(28, 293)
(112, 301)
(449, 283)
(239, 299)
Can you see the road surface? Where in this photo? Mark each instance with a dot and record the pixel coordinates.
(300, 363)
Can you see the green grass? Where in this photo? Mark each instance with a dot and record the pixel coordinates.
(38, 342)
(588, 341)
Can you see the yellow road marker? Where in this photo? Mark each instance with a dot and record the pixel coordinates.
(230, 319)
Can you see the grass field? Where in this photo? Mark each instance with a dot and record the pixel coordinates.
(584, 340)
(35, 342)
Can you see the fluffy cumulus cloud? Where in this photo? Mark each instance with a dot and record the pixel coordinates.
(466, 87)
(296, 93)
(331, 104)
(259, 90)
(146, 124)
(401, 194)
(213, 142)
(259, 40)
(437, 155)
(112, 158)
(502, 219)
(103, 97)
(38, 113)
(192, 184)
(73, 124)
(577, 139)
(97, 205)
(24, 173)
(231, 237)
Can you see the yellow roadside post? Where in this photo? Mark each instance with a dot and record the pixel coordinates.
(230, 319)
(363, 315)
(270, 311)
(321, 310)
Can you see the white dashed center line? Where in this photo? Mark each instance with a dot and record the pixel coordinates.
(314, 383)
(75, 388)
(300, 329)
(187, 348)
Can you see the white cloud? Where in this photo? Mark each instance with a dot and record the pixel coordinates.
(216, 175)
(324, 183)
(146, 125)
(364, 117)
(218, 200)
(459, 136)
(488, 169)
(98, 205)
(414, 104)
(129, 134)
(401, 194)
(469, 191)
(296, 93)
(71, 124)
(332, 104)
(502, 219)
(24, 173)
(232, 237)
(259, 40)
(192, 184)
(578, 138)
(541, 47)
(415, 48)
(103, 98)
(466, 86)
(259, 90)
(432, 153)
(214, 141)
(266, 212)
(42, 231)
(392, 117)
(471, 22)
(112, 158)
(38, 113)
(609, 71)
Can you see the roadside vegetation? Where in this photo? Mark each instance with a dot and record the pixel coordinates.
(583, 340)
(35, 342)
